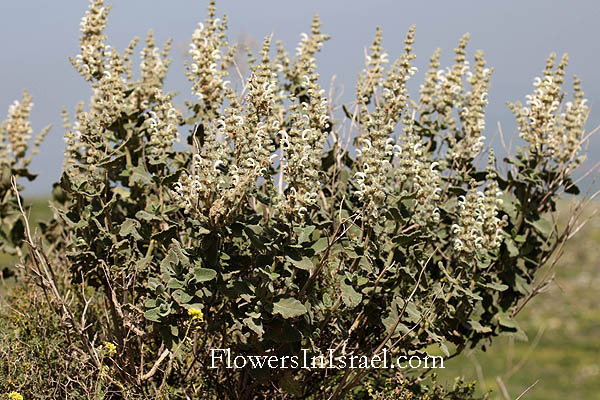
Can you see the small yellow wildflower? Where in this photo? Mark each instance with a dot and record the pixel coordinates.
(110, 348)
(196, 314)
(15, 396)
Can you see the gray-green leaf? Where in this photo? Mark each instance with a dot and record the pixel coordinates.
(204, 274)
(304, 263)
(288, 307)
(129, 227)
(350, 296)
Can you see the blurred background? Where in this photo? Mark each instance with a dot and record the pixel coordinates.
(563, 325)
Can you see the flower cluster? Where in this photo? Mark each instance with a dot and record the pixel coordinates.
(262, 115)
(15, 396)
(478, 228)
(206, 51)
(153, 68)
(72, 136)
(419, 175)
(15, 133)
(110, 348)
(472, 113)
(302, 143)
(377, 146)
(90, 62)
(162, 124)
(99, 63)
(237, 150)
(549, 130)
(196, 190)
(117, 98)
(196, 314)
(371, 76)
(302, 147)
(394, 92)
(109, 99)
(446, 90)
(297, 69)
(429, 89)
(492, 225)
(17, 125)
(443, 88)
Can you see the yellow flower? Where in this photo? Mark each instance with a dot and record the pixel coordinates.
(196, 314)
(110, 348)
(15, 396)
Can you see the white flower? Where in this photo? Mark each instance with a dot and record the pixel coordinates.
(217, 164)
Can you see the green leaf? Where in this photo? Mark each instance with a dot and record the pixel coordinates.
(129, 228)
(469, 293)
(543, 226)
(24, 172)
(146, 216)
(320, 245)
(204, 274)
(510, 327)
(167, 264)
(518, 334)
(142, 263)
(509, 204)
(181, 297)
(513, 250)
(304, 233)
(444, 349)
(289, 307)
(123, 192)
(390, 322)
(413, 313)
(521, 285)
(404, 240)
(520, 238)
(254, 326)
(496, 286)
(477, 327)
(506, 321)
(153, 314)
(350, 296)
(254, 233)
(201, 230)
(304, 263)
(180, 253)
(396, 215)
(174, 284)
(571, 189)
(139, 175)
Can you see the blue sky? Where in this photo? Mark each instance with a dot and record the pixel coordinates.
(516, 36)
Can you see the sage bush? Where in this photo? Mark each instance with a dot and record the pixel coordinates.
(285, 221)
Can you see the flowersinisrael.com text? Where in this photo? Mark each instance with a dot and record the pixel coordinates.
(329, 360)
